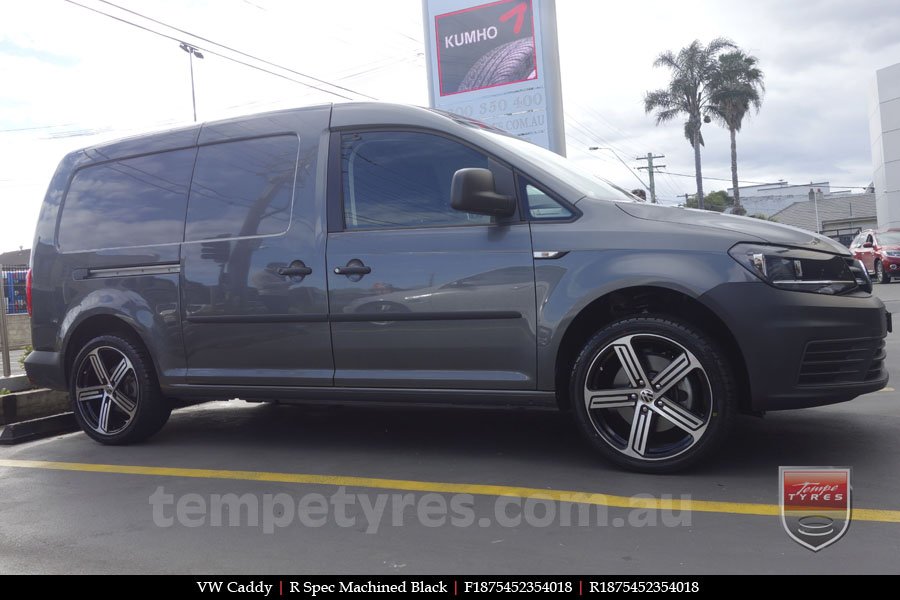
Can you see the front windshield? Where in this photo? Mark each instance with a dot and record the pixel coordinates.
(889, 239)
(562, 168)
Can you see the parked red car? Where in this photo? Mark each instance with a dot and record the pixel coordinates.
(879, 251)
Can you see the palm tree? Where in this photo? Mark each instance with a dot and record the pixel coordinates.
(738, 87)
(689, 93)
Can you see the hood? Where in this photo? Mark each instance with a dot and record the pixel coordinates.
(744, 228)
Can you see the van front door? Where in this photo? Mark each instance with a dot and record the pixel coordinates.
(254, 305)
(422, 296)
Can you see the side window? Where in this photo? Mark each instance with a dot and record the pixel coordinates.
(242, 188)
(126, 203)
(541, 206)
(869, 239)
(402, 179)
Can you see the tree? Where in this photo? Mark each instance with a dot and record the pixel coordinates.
(689, 93)
(716, 201)
(737, 87)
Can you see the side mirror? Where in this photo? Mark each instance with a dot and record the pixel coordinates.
(867, 245)
(473, 191)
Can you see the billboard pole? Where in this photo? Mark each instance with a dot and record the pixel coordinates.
(552, 76)
(426, 26)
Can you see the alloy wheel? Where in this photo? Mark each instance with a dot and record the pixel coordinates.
(107, 392)
(648, 397)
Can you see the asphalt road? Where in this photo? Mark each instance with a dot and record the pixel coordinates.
(468, 467)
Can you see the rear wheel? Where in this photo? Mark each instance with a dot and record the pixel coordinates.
(881, 275)
(114, 392)
(653, 394)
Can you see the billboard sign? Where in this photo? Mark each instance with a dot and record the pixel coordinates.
(497, 62)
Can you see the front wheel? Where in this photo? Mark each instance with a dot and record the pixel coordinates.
(881, 275)
(653, 394)
(114, 392)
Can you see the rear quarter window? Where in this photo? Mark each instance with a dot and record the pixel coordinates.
(126, 203)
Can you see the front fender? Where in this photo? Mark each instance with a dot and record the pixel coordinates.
(569, 285)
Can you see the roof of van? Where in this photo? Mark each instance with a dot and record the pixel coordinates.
(343, 114)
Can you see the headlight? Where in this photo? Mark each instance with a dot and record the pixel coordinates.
(801, 270)
(893, 252)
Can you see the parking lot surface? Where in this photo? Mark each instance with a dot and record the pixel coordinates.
(449, 485)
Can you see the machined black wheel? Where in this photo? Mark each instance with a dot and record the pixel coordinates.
(652, 393)
(114, 392)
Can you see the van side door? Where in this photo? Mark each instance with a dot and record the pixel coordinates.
(254, 303)
(423, 296)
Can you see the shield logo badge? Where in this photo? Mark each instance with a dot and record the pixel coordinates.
(815, 504)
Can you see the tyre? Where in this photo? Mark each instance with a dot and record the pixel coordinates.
(510, 62)
(114, 392)
(653, 394)
(881, 275)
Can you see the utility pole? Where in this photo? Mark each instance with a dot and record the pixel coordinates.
(651, 169)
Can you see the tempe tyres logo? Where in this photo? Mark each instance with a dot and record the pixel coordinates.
(815, 504)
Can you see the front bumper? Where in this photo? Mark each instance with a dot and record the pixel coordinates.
(891, 265)
(803, 349)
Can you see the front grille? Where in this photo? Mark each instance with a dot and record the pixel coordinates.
(842, 361)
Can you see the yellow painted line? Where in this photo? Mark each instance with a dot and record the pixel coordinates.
(711, 506)
(887, 389)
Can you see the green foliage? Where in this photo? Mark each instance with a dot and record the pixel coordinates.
(737, 86)
(28, 350)
(717, 201)
(5, 392)
(739, 210)
(763, 217)
(689, 92)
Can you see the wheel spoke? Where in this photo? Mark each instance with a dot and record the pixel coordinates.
(622, 398)
(678, 415)
(126, 404)
(677, 370)
(103, 418)
(631, 364)
(90, 393)
(123, 369)
(641, 426)
(99, 369)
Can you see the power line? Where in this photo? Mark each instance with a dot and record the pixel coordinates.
(834, 185)
(207, 50)
(236, 51)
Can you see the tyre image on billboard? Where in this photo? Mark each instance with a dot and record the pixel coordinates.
(485, 46)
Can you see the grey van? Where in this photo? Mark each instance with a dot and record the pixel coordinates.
(372, 253)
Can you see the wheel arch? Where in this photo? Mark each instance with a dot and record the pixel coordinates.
(96, 324)
(646, 299)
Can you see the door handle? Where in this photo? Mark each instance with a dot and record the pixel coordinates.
(295, 269)
(353, 270)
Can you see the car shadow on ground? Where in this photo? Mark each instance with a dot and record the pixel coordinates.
(757, 446)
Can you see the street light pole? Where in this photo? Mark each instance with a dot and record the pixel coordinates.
(192, 52)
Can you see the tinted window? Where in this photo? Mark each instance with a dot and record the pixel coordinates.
(242, 189)
(541, 206)
(125, 203)
(402, 179)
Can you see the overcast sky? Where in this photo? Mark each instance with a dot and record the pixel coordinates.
(72, 78)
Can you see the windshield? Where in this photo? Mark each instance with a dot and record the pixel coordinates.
(562, 168)
(889, 239)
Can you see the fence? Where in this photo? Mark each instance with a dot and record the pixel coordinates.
(844, 236)
(14, 290)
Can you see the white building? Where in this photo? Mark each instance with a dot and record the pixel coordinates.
(884, 133)
(770, 198)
